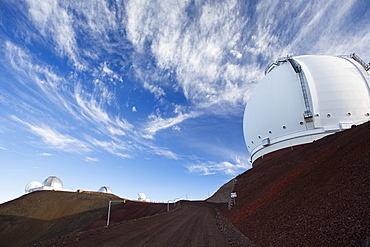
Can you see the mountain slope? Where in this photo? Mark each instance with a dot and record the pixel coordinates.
(47, 214)
(314, 195)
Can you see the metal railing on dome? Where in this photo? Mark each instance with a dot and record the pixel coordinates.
(360, 61)
(307, 114)
(276, 63)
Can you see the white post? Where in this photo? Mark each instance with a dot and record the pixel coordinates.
(168, 203)
(110, 203)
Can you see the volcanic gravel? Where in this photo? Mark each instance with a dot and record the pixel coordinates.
(191, 223)
(314, 195)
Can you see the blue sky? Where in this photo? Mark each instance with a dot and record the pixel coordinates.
(147, 96)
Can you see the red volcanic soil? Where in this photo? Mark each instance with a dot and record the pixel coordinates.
(128, 211)
(315, 195)
(79, 219)
(191, 223)
(43, 215)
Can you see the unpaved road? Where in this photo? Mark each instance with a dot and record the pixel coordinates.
(191, 224)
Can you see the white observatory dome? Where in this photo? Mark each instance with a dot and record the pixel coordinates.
(105, 189)
(53, 182)
(32, 186)
(304, 98)
(142, 197)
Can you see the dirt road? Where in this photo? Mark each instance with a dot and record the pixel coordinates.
(190, 224)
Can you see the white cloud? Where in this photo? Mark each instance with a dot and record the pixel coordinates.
(92, 108)
(158, 123)
(56, 140)
(194, 47)
(54, 21)
(90, 159)
(156, 90)
(42, 91)
(212, 52)
(113, 147)
(218, 51)
(176, 127)
(225, 167)
(38, 87)
(46, 154)
(162, 152)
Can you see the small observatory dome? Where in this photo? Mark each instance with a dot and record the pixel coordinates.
(53, 182)
(304, 98)
(32, 186)
(142, 197)
(105, 189)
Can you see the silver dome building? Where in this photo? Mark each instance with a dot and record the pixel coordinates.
(105, 189)
(304, 98)
(53, 182)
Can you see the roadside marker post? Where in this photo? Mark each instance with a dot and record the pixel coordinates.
(232, 200)
(168, 203)
(109, 207)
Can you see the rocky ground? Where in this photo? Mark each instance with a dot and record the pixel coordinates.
(189, 223)
(44, 215)
(315, 195)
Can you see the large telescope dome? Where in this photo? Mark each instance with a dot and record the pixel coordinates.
(53, 182)
(304, 98)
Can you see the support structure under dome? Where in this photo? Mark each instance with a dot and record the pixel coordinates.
(304, 98)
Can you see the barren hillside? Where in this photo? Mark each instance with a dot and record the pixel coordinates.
(314, 195)
(44, 215)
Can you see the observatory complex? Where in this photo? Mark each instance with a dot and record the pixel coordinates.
(54, 183)
(51, 183)
(304, 98)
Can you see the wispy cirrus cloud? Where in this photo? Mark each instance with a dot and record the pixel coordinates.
(53, 20)
(46, 154)
(37, 77)
(90, 159)
(56, 140)
(71, 98)
(218, 50)
(210, 54)
(201, 45)
(162, 151)
(157, 123)
(118, 148)
(318, 28)
(225, 167)
(45, 92)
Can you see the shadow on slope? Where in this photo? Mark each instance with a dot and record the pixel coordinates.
(130, 210)
(48, 214)
(44, 215)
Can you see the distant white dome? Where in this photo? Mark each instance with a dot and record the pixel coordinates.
(105, 189)
(32, 185)
(53, 182)
(142, 197)
(304, 98)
